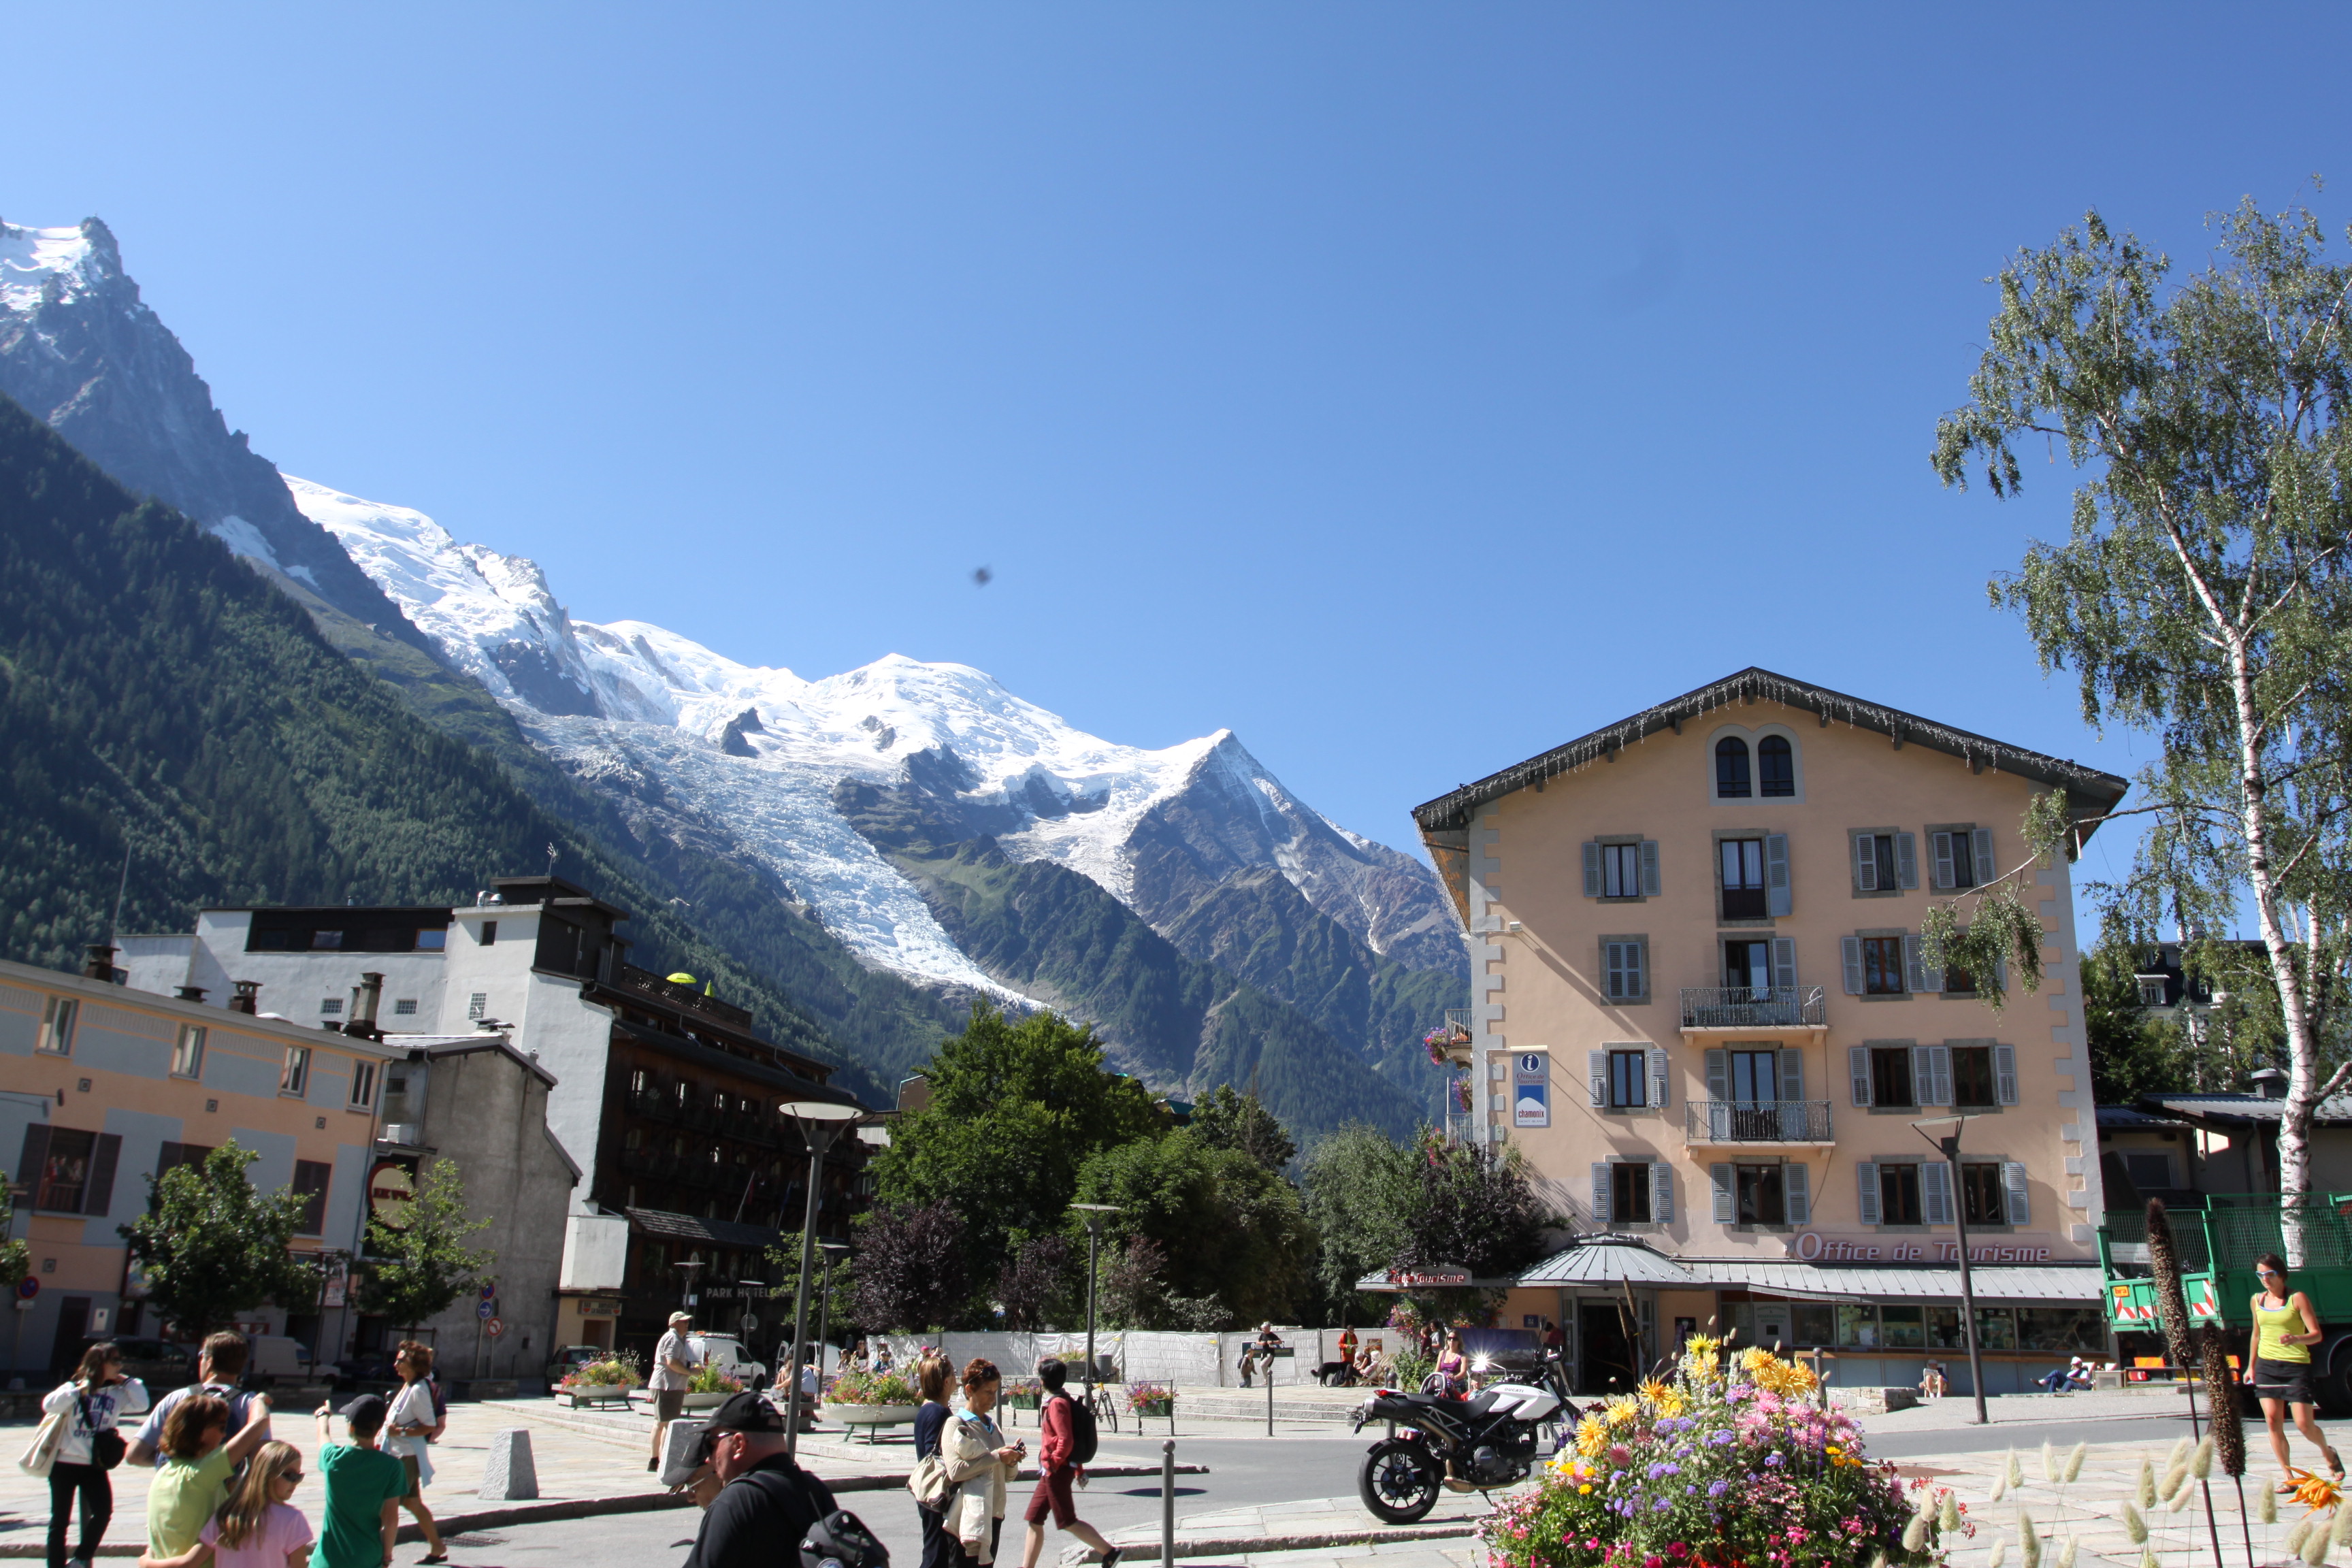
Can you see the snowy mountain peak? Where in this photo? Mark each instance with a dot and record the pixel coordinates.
(60, 264)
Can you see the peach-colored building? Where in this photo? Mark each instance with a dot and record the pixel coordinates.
(1701, 1010)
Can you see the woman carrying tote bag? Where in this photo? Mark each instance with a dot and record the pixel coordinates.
(980, 1462)
(88, 1447)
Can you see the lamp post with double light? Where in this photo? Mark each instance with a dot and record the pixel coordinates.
(821, 1122)
(1949, 1144)
(1094, 1214)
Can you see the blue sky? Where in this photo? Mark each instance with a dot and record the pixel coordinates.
(1408, 388)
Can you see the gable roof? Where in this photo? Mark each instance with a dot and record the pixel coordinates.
(2089, 791)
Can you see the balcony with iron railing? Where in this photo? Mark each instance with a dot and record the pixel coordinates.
(1750, 1122)
(1449, 1042)
(1753, 1008)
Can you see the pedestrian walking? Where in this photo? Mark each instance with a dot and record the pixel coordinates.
(91, 1402)
(220, 1362)
(768, 1503)
(1060, 1463)
(200, 1456)
(932, 1417)
(408, 1428)
(2278, 1359)
(675, 1359)
(259, 1527)
(363, 1488)
(980, 1462)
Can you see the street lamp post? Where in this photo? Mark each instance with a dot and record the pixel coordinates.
(1094, 1214)
(833, 1251)
(821, 1122)
(1950, 1143)
(688, 1268)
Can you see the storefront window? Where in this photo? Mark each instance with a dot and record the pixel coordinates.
(1816, 1326)
(1858, 1326)
(2074, 1330)
(1996, 1329)
(1903, 1327)
(1772, 1325)
(1944, 1329)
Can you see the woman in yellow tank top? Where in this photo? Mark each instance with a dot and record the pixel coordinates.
(2278, 1359)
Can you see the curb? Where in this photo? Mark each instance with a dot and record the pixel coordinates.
(1242, 1545)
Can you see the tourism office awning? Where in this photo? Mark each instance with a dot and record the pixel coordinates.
(1628, 1260)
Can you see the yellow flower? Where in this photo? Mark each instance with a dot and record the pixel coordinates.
(1755, 1358)
(1591, 1436)
(1585, 1488)
(1702, 1344)
(1654, 1391)
(1622, 1410)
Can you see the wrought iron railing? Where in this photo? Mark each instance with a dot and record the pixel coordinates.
(1458, 1019)
(1756, 1121)
(1753, 1007)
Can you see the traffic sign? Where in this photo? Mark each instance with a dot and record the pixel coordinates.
(487, 1311)
(28, 1288)
(495, 1327)
(750, 1324)
(489, 1289)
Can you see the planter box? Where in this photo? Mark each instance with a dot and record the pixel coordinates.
(589, 1394)
(872, 1414)
(707, 1401)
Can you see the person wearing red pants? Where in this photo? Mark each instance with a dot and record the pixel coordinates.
(1058, 1472)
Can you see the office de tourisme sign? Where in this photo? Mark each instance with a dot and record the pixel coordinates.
(1810, 1246)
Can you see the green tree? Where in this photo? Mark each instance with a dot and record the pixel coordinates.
(16, 1258)
(211, 1246)
(2204, 594)
(414, 1271)
(783, 1266)
(1225, 1120)
(1474, 1205)
(1232, 1230)
(908, 1269)
(1015, 1111)
(1360, 1187)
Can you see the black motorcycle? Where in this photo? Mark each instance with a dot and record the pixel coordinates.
(1490, 1439)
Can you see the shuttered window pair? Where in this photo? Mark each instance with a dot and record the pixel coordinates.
(1885, 862)
(1625, 968)
(1995, 1192)
(1963, 857)
(1628, 1078)
(1908, 1076)
(1894, 964)
(1759, 966)
(70, 1171)
(1905, 1192)
(1632, 1192)
(1620, 868)
(1752, 877)
(1772, 1193)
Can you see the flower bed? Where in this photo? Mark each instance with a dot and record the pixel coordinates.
(1726, 1465)
(601, 1380)
(708, 1379)
(1148, 1398)
(1023, 1393)
(888, 1388)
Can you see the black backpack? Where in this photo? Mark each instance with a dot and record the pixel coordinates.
(1081, 1432)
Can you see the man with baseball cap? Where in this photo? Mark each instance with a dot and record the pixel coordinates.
(675, 1360)
(768, 1503)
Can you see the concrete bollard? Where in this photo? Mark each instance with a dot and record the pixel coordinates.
(508, 1473)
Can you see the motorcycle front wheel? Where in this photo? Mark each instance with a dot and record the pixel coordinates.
(1399, 1481)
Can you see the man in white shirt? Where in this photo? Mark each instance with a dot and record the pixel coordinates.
(675, 1360)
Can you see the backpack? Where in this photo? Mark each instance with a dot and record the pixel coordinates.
(1081, 1432)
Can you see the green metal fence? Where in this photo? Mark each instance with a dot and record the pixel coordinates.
(2234, 1229)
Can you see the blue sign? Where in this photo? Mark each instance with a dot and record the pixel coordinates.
(1531, 1090)
(486, 1310)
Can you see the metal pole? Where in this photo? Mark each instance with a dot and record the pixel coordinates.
(1266, 1366)
(1968, 1292)
(824, 1318)
(1168, 1504)
(1093, 1253)
(818, 1135)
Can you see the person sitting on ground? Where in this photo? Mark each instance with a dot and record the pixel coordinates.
(767, 1503)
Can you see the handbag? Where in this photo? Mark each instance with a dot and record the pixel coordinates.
(41, 1454)
(106, 1444)
(928, 1484)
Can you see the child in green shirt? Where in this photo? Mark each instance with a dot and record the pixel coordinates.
(364, 1487)
(199, 1456)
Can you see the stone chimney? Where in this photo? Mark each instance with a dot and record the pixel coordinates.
(248, 999)
(98, 963)
(2269, 1083)
(192, 993)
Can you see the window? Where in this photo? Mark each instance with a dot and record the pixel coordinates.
(433, 940)
(1628, 1080)
(1626, 868)
(1743, 878)
(1629, 1196)
(311, 1179)
(1996, 1329)
(639, 1080)
(2151, 990)
(174, 1155)
(323, 941)
(490, 933)
(1747, 966)
(1903, 1327)
(296, 1080)
(1776, 766)
(2150, 1172)
(1972, 1077)
(1882, 966)
(2061, 1329)
(1730, 769)
(1898, 1194)
(188, 1055)
(65, 1173)
(1759, 1194)
(404, 1007)
(1625, 968)
(1885, 862)
(1983, 1194)
(1890, 1075)
(58, 1025)
(363, 1086)
(330, 1007)
(1963, 856)
(1754, 1076)
(478, 1004)
(1905, 1192)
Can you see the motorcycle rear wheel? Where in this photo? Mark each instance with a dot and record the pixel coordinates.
(1399, 1481)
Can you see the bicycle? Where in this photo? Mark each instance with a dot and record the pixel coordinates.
(1104, 1408)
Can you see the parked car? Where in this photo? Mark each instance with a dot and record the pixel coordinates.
(159, 1364)
(570, 1359)
(726, 1353)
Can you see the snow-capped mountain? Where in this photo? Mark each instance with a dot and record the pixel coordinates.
(764, 749)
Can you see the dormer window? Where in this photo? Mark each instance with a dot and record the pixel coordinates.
(1731, 781)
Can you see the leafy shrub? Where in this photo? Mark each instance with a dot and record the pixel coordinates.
(708, 1379)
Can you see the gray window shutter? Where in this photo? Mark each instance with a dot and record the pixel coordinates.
(1866, 1179)
(1596, 1062)
(1726, 1207)
(1792, 1075)
(1649, 868)
(2004, 1074)
(1943, 842)
(1600, 1192)
(1936, 1192)
(1939, 1071)
(1719, 1076)
(1658, 1076)
(2020, 1202)
(1662, 1191)
(98, 1196)
(30, 1169)
(1637, 967)
(1857, 1067)
(1851, 947)
(1797, 1192)
(1865, 864)
(1907, 859)
(1915, 970)
(2001, 975)
(1923, 1078)
(1591, 869)
(1983, 857)
(1784, 963)
(1776, 873)
(1795, 1114)
(1931, 981)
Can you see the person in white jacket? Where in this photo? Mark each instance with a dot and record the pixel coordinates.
(91, 1401)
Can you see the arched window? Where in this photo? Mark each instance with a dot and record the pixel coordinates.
(1731, 768)
(1776, 766)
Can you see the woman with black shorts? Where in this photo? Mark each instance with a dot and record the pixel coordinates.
(2278, 1359)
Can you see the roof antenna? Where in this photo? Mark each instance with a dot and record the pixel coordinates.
(550, 861)
(114, 929)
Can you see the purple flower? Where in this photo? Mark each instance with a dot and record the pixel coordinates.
(1772, 1458)
(1717, 1488)
(1662, 1504)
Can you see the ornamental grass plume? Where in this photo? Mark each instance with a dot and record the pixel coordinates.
(2073, 1466)
(2171, 1306)
(2148, 1558)
(1999, 1554)
(2201, 1460)
(2339, 1529)
(2014, 1474)
(2048, 1462)
(1947, 1511)
(2029, 1540)
(2266, 1508)
(2135, 1526)
(2000, 1489)
(2296, 1534)
(1915, 1535)
(2066, 1552)
(2145, 1492)
(2228, 1438)
(2315, 1548)
(2175, 1469)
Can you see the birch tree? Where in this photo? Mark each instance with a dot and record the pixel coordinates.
(2202, 596)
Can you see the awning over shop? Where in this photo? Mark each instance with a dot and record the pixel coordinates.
(1610, 1260)
(1617, 1260)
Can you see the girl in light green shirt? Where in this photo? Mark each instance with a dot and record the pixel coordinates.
(192, 1476)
